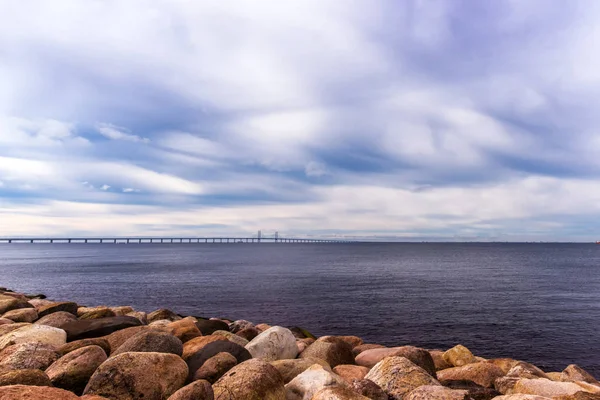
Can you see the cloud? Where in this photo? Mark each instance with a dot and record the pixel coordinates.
(112, 132)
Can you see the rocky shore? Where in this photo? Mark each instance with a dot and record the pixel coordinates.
(60, 350)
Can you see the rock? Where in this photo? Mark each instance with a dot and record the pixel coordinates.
(289, 369)
(196, 360)
(5, 321)
(351, 372)
(92, 328)
(160, 324)
(215, 367)
(333, 353)
(37, 303)
(66, 306)
(69, 347)
(30, 377)
(22, 392)
(29, 355)
(208, 326)
(117, 338)
(505, 384)
(575, 373)
(435, 392)
(122, 310)
(458, 356)
(554, 376)
(73, 371)
(198, 390)
(4, 329)
(301, 346)
(34, 333)
(521, 397)
(250, 380)
(577, 396)
(302, 333)
(505, 364)
(338, 393)
(262, 327)
(398, 376)
(239, 325)
(232, 337)
(525, 370)
(353, 341)
(8, 304)
(151, 342)
(545, 387)
(438, 360)
(197, 344)
(305, 385)
(184, 329)
(476, 392)
(132, 376)
(21, 315)
(99, 313)
(250, 333)
(142, 316)
(163, 313)
(363, 347)
(369, 389)
(57, 319)
(418, 356)
(276, 343)
(93, 397)
(482, 373)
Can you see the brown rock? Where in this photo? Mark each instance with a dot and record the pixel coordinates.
(151, 342)
(369, 389)
(309, 382)
(198, 390)
(69, 347)
(142, 316)
(22, 392)
(5, 321)
(289, 369)
(525, 370)
(334, 354)
(575, 373)
(421, 357)
(476, 392)
(458, 356)
(56, 320)
(351, 372)
(21, 315)
(8, 304)
(215, 367)
(438, 360)
(29, 355)
(122, 310)
(554, 376)
(429, 392)
(72, 371)
(576, 396)
(37, 303)
(197, 360)
(92, 328)
(545, 387)
(232, 337)
(163, 313)
(208, 326)
(250, 380)
(262, 327)
(4, 329)
(196, 344)
(93, 397)
(99, 313)
(119, 337)
(482, 373)
(132, 376)
(30, 377)
(248, 333)
(184, 329)
(398, 376)
(505, 364)
(301, 346)
(353, 341)
(338, 393)
(367, 346)
(66, 306)
(239, 325)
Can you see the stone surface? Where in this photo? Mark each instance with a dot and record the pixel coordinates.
(151, 342)
(92, 328)
(185, 329)
(351, 372)
(438, 360)
(72, 371)
(69, 347)
(133, 376)
(262, 327)
(22, 392)
(429, 392)
(122, 310)
(196, 360)
(4, 321)
(163, 313)
(476, 392)
(398, 376)
(525, 370)
(4, 329)
(198, 390)
(215, 367)
(309, 382)
(544, 387)
(66, 306)
(140, 315)
(249, 333)
(99, 313)
(93, 397)
(575, 373)
(37, 303)
(31, 377)
(276, 343)
(418, 356)
(29, 355)
(364, 347)
(458, 356)
(208, 326)
(239, 325)
(232, 337)
(21, 315)
(482, 373)
(250, 380)
(289, 369)
(42, 334)
(370, 389)
(338, 393)
(57, 319)
(302, 333)
(193, 346)
(119, 337)
(521, 397)
(505, 364)
(334, 354)
(8, 304)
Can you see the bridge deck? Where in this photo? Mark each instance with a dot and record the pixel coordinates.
(138, 240)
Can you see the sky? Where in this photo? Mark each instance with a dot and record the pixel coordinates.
(377, 119)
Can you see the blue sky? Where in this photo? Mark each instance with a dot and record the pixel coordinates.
(449, 120)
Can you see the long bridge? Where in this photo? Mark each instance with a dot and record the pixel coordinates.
(158, 240)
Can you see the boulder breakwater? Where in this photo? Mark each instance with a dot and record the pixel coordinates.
(61, 350)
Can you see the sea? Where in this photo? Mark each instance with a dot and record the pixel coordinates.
(533, 302)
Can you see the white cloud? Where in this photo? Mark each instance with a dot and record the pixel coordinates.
(105, 187)
(112, 132)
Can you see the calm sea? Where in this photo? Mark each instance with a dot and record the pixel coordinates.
(535, 302)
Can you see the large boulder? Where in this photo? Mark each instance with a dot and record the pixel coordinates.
(193, 346)
(198, 390)
(276, 343)
(196, 360)
(73, 371)
(142, 316)
(133, 376)
(364, 347)
(215, 367)
(334, 354)
(232, 337)
(438, 360)
(22, 392)
(28, 355)
(398, 376)
(338, 393)
(69, 347)
(249, 333)
(522, 397)
(22, 315)
(42, 334)
(117, 338)
(209, 326)
(351, 372)
(418, 356)
(163, 313)
(482, 373)
(240, 325)
(505, 364)
(185, 329)
(66, 306)
(9, 303)
(250, 380)
(289, 369)
(545, 387)
(31, 377)
(6, 328)
(57, 319)
(92, 328)
(370, 389)
(122, 310)
(574, 373)
(526, 370)
(309, 382)
(434, 392)
(101, 312)
(458, 356)
(151, 342)
(476, 392)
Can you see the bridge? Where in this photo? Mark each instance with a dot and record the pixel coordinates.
(155, 240)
